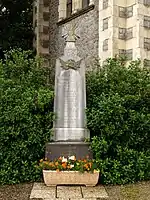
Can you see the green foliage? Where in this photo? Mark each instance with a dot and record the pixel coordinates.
(26, 105)
(118, 114)
(16, 24)
(118, 102)
(69, 163)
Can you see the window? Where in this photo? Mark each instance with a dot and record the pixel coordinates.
(105, 45)
(35, 23)
(147, 44)
(125, 33)
(129, 33)
(45, 44)
(105, 23)
(69, 8)
(35, 10)
(146, 63)
(122, 12)
(122, 52)
(122, 33)
(45, 30)
(126, 12)
(105, 4)
(46, 3)
(147, 2)
(46, 16)
(147, 21)
(35, 37)
(85, 3)
(129, 11)
(127, 54)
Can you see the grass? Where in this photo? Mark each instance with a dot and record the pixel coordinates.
(138, 191)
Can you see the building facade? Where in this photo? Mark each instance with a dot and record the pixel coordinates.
(106, 28)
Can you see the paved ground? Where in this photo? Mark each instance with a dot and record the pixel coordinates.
(67, 192)
(139, 191)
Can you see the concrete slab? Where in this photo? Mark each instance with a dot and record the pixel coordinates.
(85, 199)
(69, 192)
(40, 191)
(37, 194)
(40, 186)
(74, 199)
(56, 199)
(94, 192)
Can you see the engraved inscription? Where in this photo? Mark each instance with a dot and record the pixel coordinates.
(68, 151)
(69, 85)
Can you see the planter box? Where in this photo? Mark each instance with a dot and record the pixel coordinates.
(53, 178)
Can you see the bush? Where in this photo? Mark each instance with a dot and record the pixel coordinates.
(26, 105)
(118, 114)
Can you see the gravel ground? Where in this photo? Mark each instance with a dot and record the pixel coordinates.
(15, 192)
(138, 191)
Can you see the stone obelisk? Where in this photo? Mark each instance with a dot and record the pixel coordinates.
(69, 130)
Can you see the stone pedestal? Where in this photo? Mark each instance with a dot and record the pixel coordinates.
(79, 149)
(71, 134)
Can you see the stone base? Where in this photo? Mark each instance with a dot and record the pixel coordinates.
(56, 149)
(54, 178)
(41, 191)
(70, 134)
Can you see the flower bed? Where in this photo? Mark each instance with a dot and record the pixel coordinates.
(69, 171)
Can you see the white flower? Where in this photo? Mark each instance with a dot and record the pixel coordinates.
(64, 159)
(71, 166)
(72, 158)
(4, 9)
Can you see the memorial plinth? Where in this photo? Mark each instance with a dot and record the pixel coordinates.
(69, 132)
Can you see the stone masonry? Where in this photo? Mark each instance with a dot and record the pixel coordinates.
(87, 30)
(106, 28)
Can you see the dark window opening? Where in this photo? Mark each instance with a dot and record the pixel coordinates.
(69, 8)
(85, 3)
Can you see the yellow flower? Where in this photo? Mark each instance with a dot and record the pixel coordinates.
(56, 163)
(86, 166)
(51, 164)
(41, 160)
(90, 164)
(68, 167)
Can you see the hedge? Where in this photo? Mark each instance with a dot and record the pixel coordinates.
(26, 115)
(118, 116)
(118, 113)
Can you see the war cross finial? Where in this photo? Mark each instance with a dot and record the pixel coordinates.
(71, 36)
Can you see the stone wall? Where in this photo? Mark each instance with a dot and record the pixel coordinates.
(53, 31)
(87, 30)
